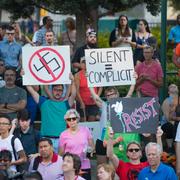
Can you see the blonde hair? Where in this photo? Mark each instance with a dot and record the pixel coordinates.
(108, 168)
(173, 89)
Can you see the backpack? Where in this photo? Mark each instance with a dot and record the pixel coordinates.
(36, 163)
(21, 167)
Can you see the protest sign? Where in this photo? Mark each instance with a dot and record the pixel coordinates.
(46, 65)
(109, 66)
(93, 127)
(139, 115)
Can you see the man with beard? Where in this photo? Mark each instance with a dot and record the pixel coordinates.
(91, 42)
(53, 110)
(12, 97)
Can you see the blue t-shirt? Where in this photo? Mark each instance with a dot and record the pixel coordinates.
(174, 34)
(163, 172)
(52, 116)
(10, 53)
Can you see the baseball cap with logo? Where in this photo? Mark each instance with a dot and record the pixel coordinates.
(90, 32)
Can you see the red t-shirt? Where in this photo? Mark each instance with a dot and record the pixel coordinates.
(155, 72)
(129, 171)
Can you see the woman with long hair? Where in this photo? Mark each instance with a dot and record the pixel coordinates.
(122, 36)
(142, 36)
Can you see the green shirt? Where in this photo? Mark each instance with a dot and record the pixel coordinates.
(52, 116)
(120, 148)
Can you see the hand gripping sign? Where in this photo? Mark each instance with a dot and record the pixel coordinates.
(46, 65)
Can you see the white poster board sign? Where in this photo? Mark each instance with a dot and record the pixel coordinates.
(93, 127)
(46, 65)
(109, 66)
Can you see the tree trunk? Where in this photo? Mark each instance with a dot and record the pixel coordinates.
(80, 29)
(82, 21)
(93, 13)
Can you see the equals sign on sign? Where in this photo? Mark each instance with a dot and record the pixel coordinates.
(108, 66)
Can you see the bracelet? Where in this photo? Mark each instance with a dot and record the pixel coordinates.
(5, 105)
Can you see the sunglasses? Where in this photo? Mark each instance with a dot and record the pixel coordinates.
(134, 150)
(71, 119)
(10, 34)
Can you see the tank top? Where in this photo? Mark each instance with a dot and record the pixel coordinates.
(84, 89)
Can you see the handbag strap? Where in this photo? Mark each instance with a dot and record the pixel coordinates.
(69, 38)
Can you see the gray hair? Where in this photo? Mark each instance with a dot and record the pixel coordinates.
(173, 89)
(72, 111)
(158, 147)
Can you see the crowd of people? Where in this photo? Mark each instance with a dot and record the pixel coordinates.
(62, 148)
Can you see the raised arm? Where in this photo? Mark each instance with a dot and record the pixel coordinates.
(73, 91)
(110, 153)
(33, 93)
(96, 98)
(158, 136)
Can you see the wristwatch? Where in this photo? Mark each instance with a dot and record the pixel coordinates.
(5, 105)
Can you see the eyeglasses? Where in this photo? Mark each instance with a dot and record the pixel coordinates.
(107, 95)
(134, 150)
(10, 34)
(4, 160)
(11, 75)
(71, 119)
(4, 124)
(1, 64)
(58, 90)
(147, 52)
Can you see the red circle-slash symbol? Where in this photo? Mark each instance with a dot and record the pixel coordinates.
(46, 65)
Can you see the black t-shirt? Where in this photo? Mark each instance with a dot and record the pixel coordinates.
(80, 52)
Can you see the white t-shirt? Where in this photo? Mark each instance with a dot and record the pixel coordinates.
(5, 144)
(177, 139)
(77, 178)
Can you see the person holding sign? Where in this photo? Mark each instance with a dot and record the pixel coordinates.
(120, 146)
(129, 170)
(86, 106)
(122, 36)
(53, 110)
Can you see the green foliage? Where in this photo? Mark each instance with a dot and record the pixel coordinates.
(171, 69)
(18, 8)
(24, 8)
(156, 31)
(172, 78)
(103, 39)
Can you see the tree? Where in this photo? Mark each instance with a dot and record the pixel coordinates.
(85, 11)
